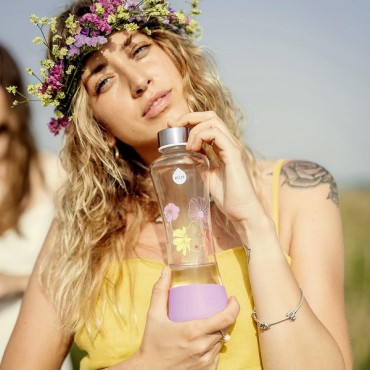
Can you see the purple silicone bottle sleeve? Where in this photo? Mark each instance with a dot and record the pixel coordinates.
(196, 301)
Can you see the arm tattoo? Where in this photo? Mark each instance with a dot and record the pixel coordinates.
(304, 174)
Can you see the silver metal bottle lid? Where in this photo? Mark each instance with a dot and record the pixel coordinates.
(172, 136)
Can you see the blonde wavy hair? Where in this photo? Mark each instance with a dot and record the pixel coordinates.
(93, 227)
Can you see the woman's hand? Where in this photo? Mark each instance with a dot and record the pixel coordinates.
(181, 345)
(230, 183)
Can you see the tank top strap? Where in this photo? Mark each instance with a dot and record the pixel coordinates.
(275, 193)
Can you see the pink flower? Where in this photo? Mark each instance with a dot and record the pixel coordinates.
(54, 79)
(56, 125)
(171, 212)
(198, 211)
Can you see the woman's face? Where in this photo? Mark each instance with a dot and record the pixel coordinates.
(134, 90)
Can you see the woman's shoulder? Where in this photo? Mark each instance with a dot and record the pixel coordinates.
(299, 177)
(299, 191)
(309, 178)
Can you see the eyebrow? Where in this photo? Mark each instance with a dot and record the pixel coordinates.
(127, 41)
(100, 66)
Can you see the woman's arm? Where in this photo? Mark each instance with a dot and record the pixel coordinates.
(317, 253)
(317, 339)
(37, 341)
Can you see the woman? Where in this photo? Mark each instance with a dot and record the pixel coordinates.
(28, 180)
(127, 72)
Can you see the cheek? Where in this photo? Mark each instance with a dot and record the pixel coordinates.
(123, 126)
(173, 72)
(113, 111)
(162, 62)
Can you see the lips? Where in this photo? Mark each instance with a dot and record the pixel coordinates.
(157, 104)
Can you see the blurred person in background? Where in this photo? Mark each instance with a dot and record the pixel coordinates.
(28, 180)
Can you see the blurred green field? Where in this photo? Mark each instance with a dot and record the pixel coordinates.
(355, 209)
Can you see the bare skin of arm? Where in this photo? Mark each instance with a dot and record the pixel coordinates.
(317, 248)
(318, 338)
(38, 343)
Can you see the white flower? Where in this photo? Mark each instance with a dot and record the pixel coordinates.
(198, 211)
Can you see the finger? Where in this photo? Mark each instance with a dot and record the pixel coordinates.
(223, 319)
(211, 136)
(191, 119)
(194, 119)
(220, 336)
(224, 336)
(159, 299)
(215, 339)
(213, 122)
(211, 357)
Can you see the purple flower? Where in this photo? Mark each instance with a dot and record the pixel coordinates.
(94, 41)
(94, 22)
(130, 4)
(136, 19)
(85, 31)
(80, 40)
(56, 125)
(88, 18)
(171, 212)
(73, 51)
(83, 40)
(110, 5)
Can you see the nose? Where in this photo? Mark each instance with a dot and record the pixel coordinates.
(139, 86)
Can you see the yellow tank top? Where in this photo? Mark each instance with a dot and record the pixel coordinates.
(119, 339)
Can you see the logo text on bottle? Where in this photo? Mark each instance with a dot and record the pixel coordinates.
(179, 176)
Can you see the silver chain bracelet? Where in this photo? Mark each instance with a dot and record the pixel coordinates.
(291, 315)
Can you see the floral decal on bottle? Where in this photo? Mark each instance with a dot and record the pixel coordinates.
(171, 212)
(181, 240)
(198, 211)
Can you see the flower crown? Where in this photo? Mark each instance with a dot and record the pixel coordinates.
(61, 72)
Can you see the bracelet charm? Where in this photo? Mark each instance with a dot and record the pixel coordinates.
(290, 315)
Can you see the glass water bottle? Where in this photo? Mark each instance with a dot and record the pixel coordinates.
(181, 182)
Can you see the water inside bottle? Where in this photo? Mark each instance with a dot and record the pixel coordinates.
(206, 273)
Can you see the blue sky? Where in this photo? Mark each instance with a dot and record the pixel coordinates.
(299, 69)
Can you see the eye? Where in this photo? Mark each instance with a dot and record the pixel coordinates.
(101, 84)
(140, 50)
